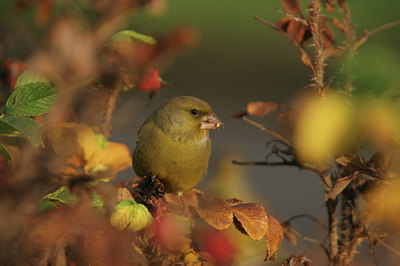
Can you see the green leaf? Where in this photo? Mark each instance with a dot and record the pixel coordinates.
(29, 77)
(4, 152)
(97, 202)
(131, 215)
(24, 126)
(62, 195)
(31, 99)
(130, 35)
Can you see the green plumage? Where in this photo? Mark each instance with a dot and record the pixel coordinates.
(172, 145)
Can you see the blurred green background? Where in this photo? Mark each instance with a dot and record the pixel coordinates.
(239, 60)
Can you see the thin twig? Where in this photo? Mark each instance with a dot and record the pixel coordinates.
(291, 16)
(106, 127)
(392, 249)
(383, 27)
(309, 239)
(309, 217)
(288, 36)
(264, 128)
(285, 163)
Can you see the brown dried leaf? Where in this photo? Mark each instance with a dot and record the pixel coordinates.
(283, 23)
(260, 108)
(234, 201)
(354, 163)
(215, 212)
(123, 194)
(328, 35)
(291, 6)
(329, 5)
(333, 51)
(290, 235)
(306, 60)
(297, 30)
(288, 115)
(274, 238)
(339, 25)
(340, 185)
(252, 218)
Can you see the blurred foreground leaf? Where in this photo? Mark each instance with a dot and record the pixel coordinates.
(61, 195)
(4, 152)
(25, 126)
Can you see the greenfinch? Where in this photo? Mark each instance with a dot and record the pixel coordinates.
(174, 144)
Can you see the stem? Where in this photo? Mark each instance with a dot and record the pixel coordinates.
(319, 57)
(106, 127)
(264, 128)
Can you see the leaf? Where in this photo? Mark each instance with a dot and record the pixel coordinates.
(97, 201)
(215, 212)
(327, 33)
(131, 215)
(28, 77)
(340, 185)
(306, 60)
(107, 162)
(298, 31)
(123, 194)
(329, 5)
(339, 25)
(252, 218)
(128, 35)
(291, 6)
(273, 237)
(31, 99)
(261, 109)
(354, 163)
(25, 126)
(5, 153)
(61, 195)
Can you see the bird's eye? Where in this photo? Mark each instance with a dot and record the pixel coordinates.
(194, 112)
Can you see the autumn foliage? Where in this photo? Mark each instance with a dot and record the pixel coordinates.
(58, 193)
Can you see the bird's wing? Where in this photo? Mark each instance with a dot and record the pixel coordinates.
(148, 123)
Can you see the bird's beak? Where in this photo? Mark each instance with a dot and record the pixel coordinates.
(210, 121)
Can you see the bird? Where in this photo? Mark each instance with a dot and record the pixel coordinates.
(174, 145)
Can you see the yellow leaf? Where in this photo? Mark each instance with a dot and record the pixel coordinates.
(131, 215)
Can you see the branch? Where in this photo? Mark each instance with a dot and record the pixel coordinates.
(312, 240)
(319, 57)
(384, 27)
(291, 16)
(106, 127)
(309, 217)
(264, 128)
(288, 36)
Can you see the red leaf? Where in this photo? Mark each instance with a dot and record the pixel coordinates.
(291, 6)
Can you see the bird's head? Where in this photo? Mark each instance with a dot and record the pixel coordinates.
(187, 115)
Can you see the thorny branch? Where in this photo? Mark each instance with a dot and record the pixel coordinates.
(319, 58)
